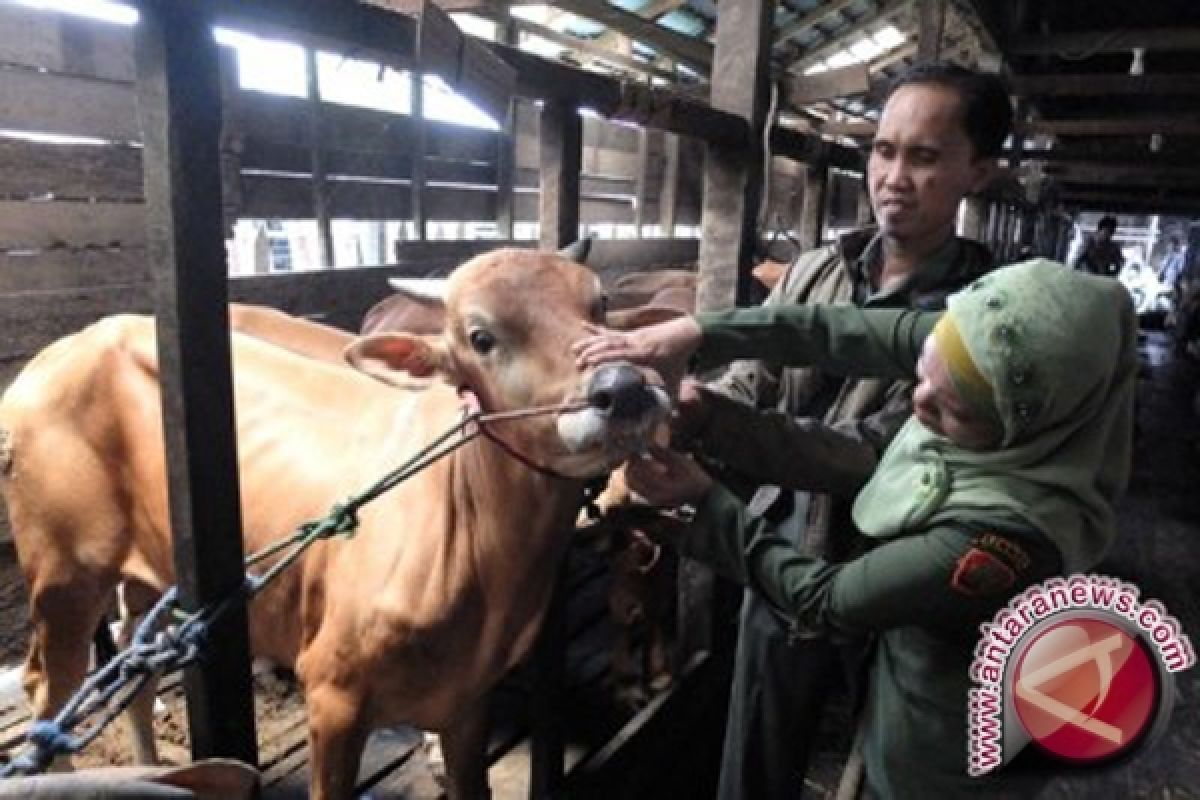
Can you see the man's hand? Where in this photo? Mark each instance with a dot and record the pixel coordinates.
(692, 410)
(667, 478)
(666, 346)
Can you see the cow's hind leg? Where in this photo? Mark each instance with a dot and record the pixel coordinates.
(464, 745)
(336, 737)
(135, 600)
(64, 614)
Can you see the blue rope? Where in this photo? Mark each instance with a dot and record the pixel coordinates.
(160, 648)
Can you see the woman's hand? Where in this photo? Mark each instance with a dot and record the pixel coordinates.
(666, 477)
(666, 346)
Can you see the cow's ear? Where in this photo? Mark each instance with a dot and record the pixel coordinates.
(391, 357)
(633, 318)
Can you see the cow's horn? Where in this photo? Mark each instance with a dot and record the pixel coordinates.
(423, 290)
(577, 250)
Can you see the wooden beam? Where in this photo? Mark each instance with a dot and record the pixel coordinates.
(733, 187)
(931, 22)
(696, 53)
(866, 214)
(590, 47)
(642, 181)
(1167, 126)
(668, 198)
(812, 216)
(179, 105)
(1107, 201)
(412, 7)
(861, 130)
(325, 251)
(36, 226)
(885, 11)
(975, 218)
(801, 90)
(1084, 85)
(1134, 175)
(506, 147)
(805, 21)
(463, 62)
(561, 164)
(1121, 40)
(652, 11)
(1130, 157)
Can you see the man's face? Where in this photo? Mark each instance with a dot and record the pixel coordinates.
(1104, 234)
(922, 164)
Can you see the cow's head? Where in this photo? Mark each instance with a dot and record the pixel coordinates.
(510, 317)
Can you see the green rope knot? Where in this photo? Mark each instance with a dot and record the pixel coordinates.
(345, 520)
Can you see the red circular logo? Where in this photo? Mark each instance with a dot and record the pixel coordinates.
(1085, 690)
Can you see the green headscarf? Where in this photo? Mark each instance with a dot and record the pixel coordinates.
(1059, 350)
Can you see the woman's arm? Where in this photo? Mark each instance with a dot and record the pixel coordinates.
(947, 578)
(838, 338)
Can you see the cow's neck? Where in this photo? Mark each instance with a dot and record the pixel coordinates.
(518, 523)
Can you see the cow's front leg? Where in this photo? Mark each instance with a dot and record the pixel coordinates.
(464, 746)
(337, 734)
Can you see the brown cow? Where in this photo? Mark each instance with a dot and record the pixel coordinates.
(442, 588)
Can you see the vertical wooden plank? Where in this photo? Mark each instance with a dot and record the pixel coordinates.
(561, 155)
(816, 193)
(506, 144)
(418, 154)
(548, 736)
(733, 186)
(931, 20)
(325, 250)
(866, 214)
(733, 178)
(668, 195)
(975, 218)
(640, 182)
(180, 111)
(560, 163)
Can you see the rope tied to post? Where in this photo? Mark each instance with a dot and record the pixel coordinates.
(170, 638)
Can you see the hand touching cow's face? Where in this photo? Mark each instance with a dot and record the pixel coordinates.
(510, 317)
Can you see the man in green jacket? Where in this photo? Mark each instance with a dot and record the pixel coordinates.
(806, 441)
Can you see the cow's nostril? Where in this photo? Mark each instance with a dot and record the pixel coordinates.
(601, 400)
(619, 390)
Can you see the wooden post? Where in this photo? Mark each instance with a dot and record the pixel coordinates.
(418, 153)
(975, 218)
(866, 214)
(812, 218)
(733, 186)
(641, 179)
(561, 154)
(506, 145)
(931, 19)
(668, 195)
(320, 186)
(561, 147)
(180, 110)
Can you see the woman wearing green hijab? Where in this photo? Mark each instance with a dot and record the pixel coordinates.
(1006, 474)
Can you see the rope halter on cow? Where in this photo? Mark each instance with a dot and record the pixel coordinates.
(160, 646)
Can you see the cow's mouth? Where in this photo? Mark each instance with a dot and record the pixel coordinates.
(606, 438)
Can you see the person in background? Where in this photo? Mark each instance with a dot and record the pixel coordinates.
(801, 441)
(1101, 255)
(1006, 474)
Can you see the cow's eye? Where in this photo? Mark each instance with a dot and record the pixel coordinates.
(482, 342)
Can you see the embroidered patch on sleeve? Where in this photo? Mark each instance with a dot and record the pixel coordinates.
(980, 573)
